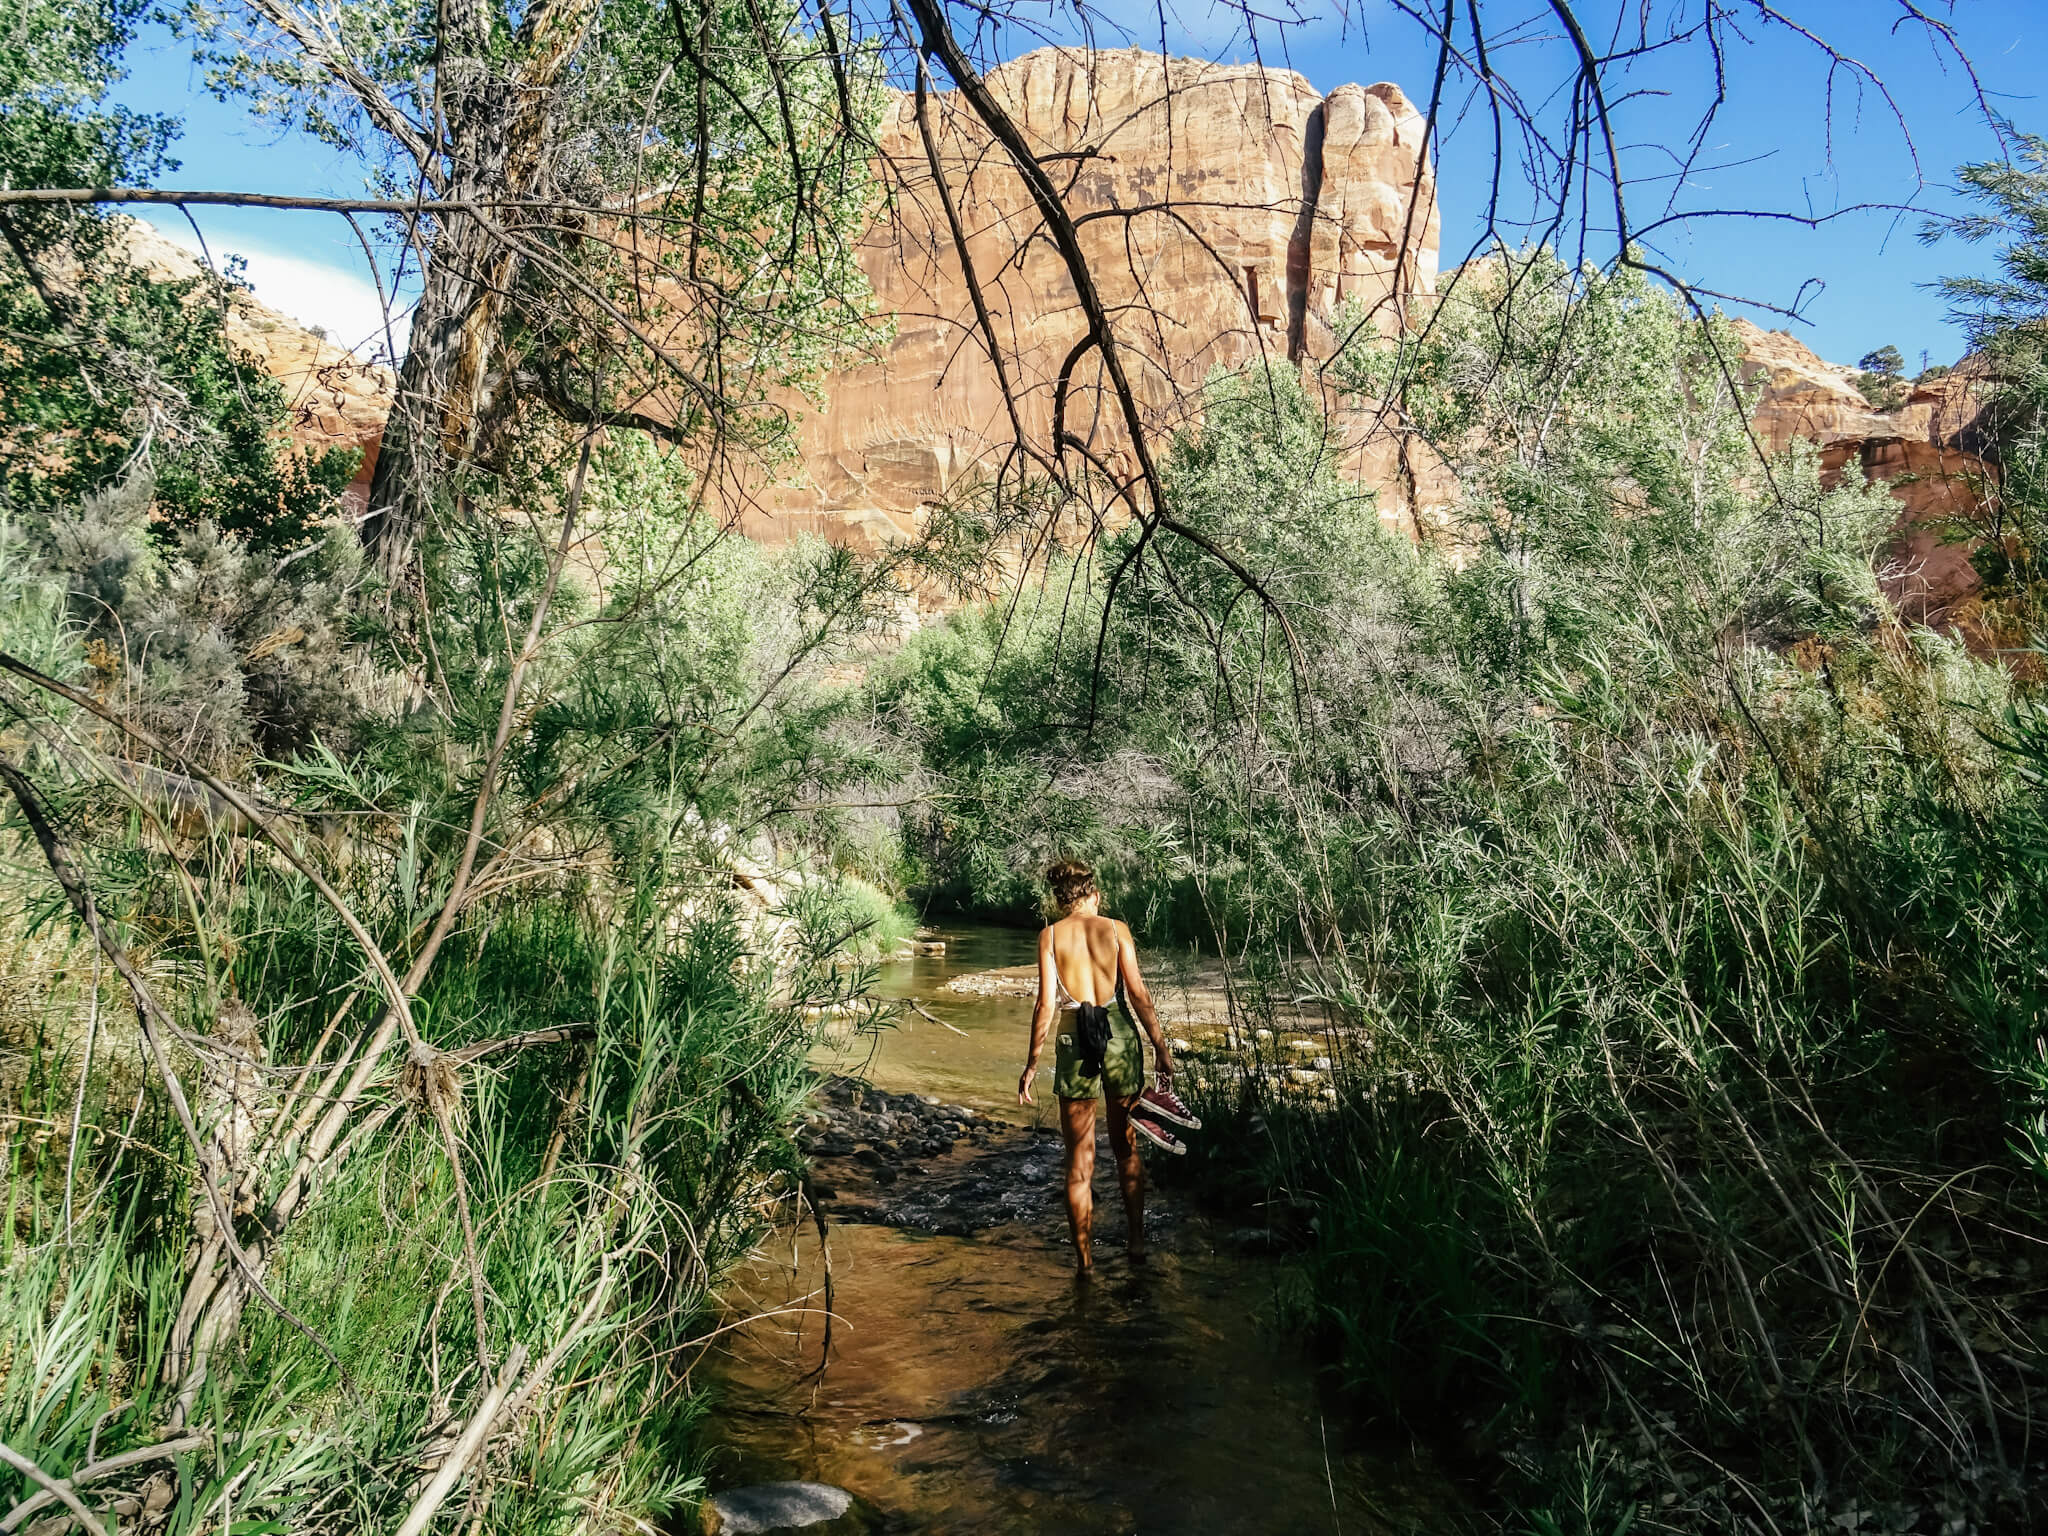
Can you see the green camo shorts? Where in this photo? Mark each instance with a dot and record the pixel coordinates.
(1123, 1063)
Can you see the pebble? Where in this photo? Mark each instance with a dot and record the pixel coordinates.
(995, 984)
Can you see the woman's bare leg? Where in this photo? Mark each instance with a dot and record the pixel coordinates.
(1077, 1126)
(1130, 1174)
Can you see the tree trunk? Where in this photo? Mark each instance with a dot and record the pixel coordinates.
(500, 138)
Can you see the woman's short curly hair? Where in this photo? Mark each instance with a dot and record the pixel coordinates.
(1071, 881)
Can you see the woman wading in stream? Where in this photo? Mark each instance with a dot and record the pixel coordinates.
(1084, 961)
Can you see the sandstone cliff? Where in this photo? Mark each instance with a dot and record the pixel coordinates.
(1226, 210)
(1926, 447)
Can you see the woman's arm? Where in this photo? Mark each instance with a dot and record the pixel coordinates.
(1140, 999)
(1041, 1016)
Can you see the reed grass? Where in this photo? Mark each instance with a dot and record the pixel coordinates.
(467, 1275)
(1668, 910)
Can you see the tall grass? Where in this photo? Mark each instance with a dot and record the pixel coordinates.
(1670, 909)
(466, 1280)
(1656, 1123)
(616, 1176)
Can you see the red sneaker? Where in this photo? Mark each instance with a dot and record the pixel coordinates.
(1162, 1103)
(1158, 1135)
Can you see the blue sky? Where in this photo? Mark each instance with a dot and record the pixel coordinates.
(308, 265)
(1779, 143)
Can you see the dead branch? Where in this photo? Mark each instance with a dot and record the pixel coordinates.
(150, 1014)
(55, 1488)
(107, 1466)
(474, 1433)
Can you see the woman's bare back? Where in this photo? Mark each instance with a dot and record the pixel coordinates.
(1085, 950)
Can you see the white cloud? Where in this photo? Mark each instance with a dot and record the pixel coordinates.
(340, 302)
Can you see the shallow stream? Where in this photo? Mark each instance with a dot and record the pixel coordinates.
(973, 1385)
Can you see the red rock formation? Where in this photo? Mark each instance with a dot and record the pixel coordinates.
(1925, 447)
(1802, 395)
(336, 399)
(1226, 210)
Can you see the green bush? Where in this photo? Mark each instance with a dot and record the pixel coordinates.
(616, 1033)
(1665, 905)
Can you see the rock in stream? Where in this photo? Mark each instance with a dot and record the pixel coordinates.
(903, 1160)
(817, 1508)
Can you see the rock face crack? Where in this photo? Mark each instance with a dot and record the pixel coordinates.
(1300, 244)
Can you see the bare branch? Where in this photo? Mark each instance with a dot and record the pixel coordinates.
(53, 1487)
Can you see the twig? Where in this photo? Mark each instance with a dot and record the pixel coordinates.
(162, 1451)
(508, 710)
(924, 1012)
(59, 1490)
(92, 1029)
(476, 1050)
(474, 1434)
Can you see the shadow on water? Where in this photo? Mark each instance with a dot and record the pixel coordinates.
(974, 1385)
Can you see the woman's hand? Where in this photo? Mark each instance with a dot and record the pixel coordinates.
(1024, 1086)
(1162, 1063)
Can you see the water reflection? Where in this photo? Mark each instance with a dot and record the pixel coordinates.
(977, 1066)
(974, 1386)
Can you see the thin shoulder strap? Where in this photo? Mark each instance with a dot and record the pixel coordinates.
(1053, 952)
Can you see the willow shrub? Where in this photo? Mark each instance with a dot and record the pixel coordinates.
(1670, 910)
(639, 1034)
(616, 1177)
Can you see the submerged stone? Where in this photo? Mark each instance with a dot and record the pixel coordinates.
(764, 1507)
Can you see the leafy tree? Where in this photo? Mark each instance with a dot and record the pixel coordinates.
(57, 128)
(126, 372)
(661, 209)
(2006, 317)
(144, 460)
(2010, 310)
(1882, 377)
(110, 372)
